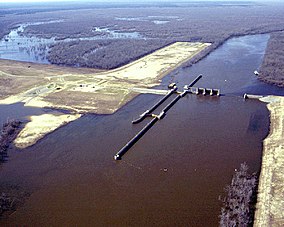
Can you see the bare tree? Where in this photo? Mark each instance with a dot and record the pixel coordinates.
(238, 205)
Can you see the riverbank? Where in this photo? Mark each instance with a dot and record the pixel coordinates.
(270, 201)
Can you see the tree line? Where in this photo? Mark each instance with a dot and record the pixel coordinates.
(272, 68)
(239, 203)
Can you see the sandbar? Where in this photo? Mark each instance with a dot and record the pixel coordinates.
(41, 125)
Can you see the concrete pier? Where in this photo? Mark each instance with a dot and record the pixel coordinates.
(249, 96)
(204, 91)
(138, 136)
(149, 113)
(150, 91)
(131, 143)
(216, 92)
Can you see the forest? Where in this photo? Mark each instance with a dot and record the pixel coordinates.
(8, 133)
(96, 54)
(272, 69)
(238, 206)
(190, 24)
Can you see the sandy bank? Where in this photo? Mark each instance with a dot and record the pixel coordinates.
(41, 125)
(270, 200)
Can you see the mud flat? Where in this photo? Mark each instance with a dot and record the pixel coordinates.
(270, 200)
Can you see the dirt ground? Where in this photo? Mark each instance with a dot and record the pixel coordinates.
(84, 90)
(270, 200)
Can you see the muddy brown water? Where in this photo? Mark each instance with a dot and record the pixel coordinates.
(172, 177)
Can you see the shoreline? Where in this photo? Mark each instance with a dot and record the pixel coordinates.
(270, 197)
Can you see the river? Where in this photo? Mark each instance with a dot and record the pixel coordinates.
(173, 176)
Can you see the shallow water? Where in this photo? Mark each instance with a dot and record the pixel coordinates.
(173, 176)
(21, 47)
(16, 46)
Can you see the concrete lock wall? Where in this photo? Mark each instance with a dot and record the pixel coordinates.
(205, 91)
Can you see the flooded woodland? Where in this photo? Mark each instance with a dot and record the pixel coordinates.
(176, 173)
